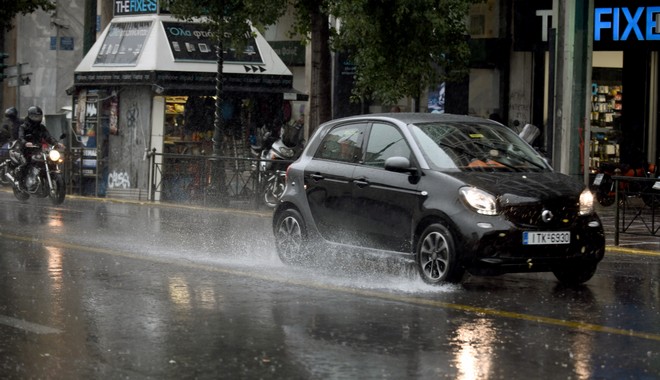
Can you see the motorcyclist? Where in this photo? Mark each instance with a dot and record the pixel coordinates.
(31, 133)
(10, 126)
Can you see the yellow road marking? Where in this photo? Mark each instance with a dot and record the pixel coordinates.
(576, 325)
(632, 251)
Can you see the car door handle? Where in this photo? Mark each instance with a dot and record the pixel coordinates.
(361, 182)
(316, 177)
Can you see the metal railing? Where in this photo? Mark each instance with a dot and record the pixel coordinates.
(637, 203)
(190, 179)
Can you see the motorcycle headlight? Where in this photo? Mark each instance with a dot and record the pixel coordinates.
(287, 152)
(482, 202)
(586, 202)
(54, 155)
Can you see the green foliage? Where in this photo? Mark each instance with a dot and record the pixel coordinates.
(402, 47)
(302, 25)
(228, 17)
(11, 8)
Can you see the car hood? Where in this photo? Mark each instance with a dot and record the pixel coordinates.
(520, 188)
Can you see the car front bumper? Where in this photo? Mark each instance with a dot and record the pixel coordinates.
(501, 250)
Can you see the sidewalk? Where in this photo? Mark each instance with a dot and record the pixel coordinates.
(643, 243)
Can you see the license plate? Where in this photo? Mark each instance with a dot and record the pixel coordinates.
(541, 237)
(599, 179)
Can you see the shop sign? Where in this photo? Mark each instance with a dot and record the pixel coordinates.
(193, 42)
(617, 25)
(135, 7)
(114, 78)
(531, 21)
(627, 23)
(292, 53)
(123, 43)
(186, 80)
(230, 82)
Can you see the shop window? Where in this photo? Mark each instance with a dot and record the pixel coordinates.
(606, 108)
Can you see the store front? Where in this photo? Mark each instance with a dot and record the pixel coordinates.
(626, 44)
(148, 85)
(626, 48)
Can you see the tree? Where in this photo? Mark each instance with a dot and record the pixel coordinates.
(313, 22)
(402, 47)
(10, 9)
(229, 21)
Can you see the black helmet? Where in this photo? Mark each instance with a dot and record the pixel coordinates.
(35, 115)
(11, 112)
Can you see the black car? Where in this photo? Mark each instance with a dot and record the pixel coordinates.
(455, 193)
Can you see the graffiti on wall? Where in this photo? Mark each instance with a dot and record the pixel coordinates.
(118, 180)
(133, 121)
(519, 107)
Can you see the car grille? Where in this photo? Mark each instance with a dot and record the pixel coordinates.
(528, 216)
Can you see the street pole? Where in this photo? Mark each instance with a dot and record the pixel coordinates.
(18, 87)
(573, 56)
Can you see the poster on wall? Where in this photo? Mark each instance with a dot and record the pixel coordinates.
(436, 102)
(123, 43)
(192, 42)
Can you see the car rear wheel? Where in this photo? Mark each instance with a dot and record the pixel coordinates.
(576, 274)
(290, 236)
(437, 257)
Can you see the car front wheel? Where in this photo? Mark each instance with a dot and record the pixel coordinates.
(290, 236)
(437, 257)
(576, 274)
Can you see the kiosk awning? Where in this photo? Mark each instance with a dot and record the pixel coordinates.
(168, 54)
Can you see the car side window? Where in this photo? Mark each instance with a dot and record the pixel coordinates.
(343, 143)
(385, 141)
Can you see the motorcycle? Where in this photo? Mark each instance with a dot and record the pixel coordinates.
(276, 160)
(43, 177)
(605, 189)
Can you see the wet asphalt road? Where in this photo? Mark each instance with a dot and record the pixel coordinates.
(95, 289)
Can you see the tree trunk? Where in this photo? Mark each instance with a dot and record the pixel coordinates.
(320, 102)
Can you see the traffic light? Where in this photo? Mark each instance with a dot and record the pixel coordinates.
(3, 65)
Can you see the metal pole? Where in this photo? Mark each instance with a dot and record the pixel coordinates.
(18, 87)
(616, 211)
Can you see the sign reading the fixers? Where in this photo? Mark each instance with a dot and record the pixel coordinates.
(135, 7)
(627, 24)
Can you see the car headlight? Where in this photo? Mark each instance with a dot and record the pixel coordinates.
(54, 155)
(482, 202)
(586, 202)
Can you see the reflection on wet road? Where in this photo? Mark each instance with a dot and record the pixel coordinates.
(112, 290)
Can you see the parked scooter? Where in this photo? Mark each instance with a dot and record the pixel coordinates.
(276, 160)
(42, 178)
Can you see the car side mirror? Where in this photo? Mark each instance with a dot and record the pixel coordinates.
(399, 165)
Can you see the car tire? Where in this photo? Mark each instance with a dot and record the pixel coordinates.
(437, 257)
(576, 274)
(290, 236)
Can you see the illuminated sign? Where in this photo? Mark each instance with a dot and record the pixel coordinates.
(627, 23)
(135, 7)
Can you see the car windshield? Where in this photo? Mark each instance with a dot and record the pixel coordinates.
(470, 146)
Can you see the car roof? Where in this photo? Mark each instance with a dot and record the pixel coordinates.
(414, 117)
